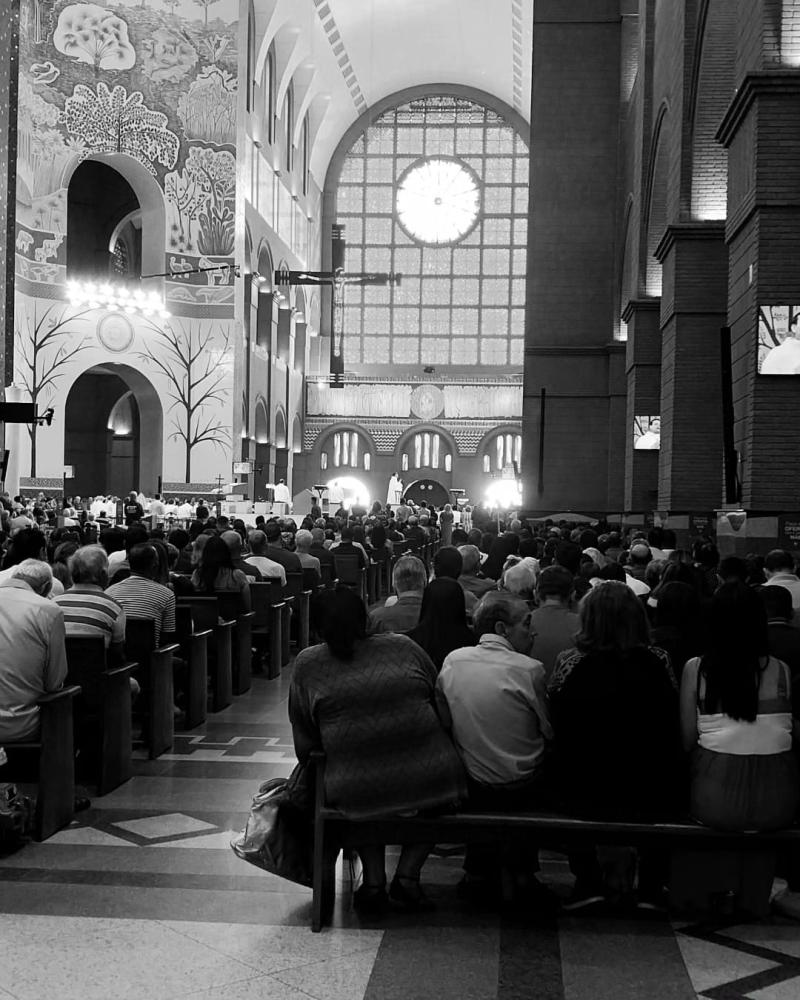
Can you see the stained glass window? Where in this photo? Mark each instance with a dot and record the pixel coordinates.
(463, 258)
(346, 446)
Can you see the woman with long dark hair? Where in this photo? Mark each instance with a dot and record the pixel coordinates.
(614, 709)
(442, 621)
(215, 572)
(736, 719)
(368, 702)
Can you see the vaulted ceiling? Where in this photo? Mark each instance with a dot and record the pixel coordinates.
(346, 55)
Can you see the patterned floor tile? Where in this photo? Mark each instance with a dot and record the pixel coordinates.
(168, 825)
(710, 965)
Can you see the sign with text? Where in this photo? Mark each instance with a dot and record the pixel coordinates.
(702, 525)
(789, 531)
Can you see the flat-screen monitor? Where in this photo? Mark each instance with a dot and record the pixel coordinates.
(646, 433)
(779, 340)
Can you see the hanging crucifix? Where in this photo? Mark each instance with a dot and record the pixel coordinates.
(337, 279)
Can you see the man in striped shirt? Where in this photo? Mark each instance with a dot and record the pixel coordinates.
(141, 597)
(88, 610)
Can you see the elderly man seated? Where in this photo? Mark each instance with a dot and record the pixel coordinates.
(469, 579)
(493, 696)
(33, 659)
(268, 568)
(303, 541)
(88, 610)
(408, 581)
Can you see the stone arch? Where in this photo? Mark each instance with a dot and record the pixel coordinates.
(626, 268)
(151, 202)
(713, 86)
(408, 435)
(264, 279)
(262, 422)
(280, 435)
(321, 444)
(91, 401)
(655, 207)
(297, 435)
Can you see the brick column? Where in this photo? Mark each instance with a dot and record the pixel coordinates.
(570, 290)
(643, 372)
(761, 131)
(694, 263)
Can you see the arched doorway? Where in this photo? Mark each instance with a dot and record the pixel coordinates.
(261, 477)
(429, 490)
(111, 411)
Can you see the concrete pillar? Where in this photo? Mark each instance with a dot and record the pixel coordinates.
(570, 290)
(694, 262)
(9, 67)
(643, 383)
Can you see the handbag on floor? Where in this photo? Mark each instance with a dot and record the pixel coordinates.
(16, 815)
(279, 834)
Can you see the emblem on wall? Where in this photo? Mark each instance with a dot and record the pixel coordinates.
(427, 402)
(115, 333)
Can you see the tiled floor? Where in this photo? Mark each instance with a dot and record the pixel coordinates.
(143, 898)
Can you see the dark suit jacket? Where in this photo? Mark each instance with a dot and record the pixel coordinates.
(324, 555)
(287, 559)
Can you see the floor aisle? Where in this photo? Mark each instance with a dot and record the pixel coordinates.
(142, 898)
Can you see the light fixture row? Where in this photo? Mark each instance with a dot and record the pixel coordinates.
(102, 295)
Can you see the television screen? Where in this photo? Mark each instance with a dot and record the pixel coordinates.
(646, 433)
(779, 340)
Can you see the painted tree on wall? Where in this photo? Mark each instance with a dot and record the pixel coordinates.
(195, 359)
(45, 345)
(205, 4)
(112, 121)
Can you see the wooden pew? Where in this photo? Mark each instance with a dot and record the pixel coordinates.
(242, 664)
(301, 607)
(328, 575)
(194, 651)
(155, 677)
(350, 573)
(267, 623)
(102, 711)
(205, 616)
(49, 760)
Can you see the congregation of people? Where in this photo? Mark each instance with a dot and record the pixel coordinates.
(527, 666)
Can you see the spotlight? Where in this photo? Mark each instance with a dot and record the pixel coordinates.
(429, 370)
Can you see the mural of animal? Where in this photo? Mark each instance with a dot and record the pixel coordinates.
(216, 274)
(48, 249)
(24, 241)
(179, 266)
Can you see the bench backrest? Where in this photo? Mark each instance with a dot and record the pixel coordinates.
(348, 570)
(204, 611)
(262, 596)
(86, 663)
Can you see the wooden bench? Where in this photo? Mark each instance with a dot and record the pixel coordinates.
(102, 711)
(205, 618)
(301, 598)
(350, 573)
(154, 674)
(267, 629)
(242, 649)
(194, 651)
(49, 761)
(334, 832)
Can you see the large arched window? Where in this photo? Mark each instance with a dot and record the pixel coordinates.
(502, 451)
(269, 92)
(426, 450)
(304, 154)
(288, 127)
(346, 449)
(437, 189)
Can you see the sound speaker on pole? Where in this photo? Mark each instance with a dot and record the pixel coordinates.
(17, 413)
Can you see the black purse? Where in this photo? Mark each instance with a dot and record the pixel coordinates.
(279, 835)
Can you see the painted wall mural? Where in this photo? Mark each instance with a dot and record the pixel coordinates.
(156, 80)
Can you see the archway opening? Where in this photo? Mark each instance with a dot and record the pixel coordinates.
(113, 432)
(429, 490)
(104, 222)
(261, 472)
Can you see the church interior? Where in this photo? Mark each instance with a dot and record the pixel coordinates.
(253, 244)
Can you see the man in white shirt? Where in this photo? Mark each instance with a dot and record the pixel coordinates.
(268, 568)
(780, 572)
(494, 698)
(33, 658)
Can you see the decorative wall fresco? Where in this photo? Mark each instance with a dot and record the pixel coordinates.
(155, 80)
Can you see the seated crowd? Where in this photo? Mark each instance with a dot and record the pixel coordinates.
(531, 668)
